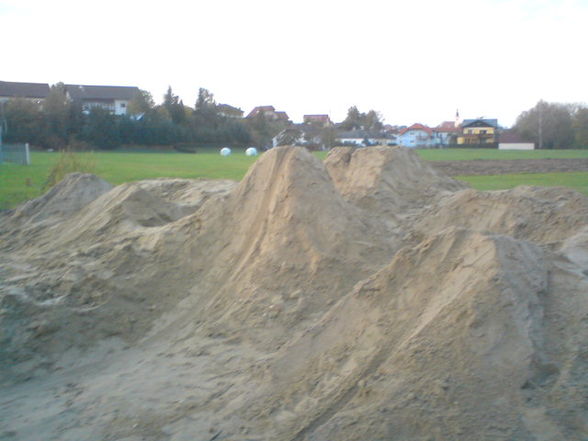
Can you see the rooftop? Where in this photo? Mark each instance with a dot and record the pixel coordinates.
(84, 92)
(23, 90)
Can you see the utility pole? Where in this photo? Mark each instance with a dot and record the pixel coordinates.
(540, 125)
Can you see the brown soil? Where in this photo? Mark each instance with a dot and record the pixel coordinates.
(513, 166)
(368, 297)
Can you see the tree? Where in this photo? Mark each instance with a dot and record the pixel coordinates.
(101, 129)
(549, 125)
(205, 113)
(56, 109)
(76, 119)
(373, 121)
(141, 103)
(23, 121)
(205, 100)
(175, 107)
(580, 124)
(353, 120)
(288, 136)
(357, 120)
(262, 130)
(328, 137)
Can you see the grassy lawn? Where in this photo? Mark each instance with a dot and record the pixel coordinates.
(19, 183)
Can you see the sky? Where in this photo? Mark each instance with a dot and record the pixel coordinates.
(412, 61)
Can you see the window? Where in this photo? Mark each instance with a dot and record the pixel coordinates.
(123, 105)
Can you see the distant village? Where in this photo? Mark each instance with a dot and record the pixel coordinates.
(477, 131)
(483, 132)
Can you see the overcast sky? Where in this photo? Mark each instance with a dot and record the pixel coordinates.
(413, 61)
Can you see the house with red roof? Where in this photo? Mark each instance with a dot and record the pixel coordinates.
(269, 112)
(318, 120)
(417, 135)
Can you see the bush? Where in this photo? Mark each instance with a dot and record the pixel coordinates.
(69, 162)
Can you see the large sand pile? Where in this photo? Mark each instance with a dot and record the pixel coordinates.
(368, 297)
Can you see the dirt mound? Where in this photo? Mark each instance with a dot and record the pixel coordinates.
(543, 215)
(284, 245)
(389, 178)
(70, 195)
(367, 297)
(452, 340)
(100, 272)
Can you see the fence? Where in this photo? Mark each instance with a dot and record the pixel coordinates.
(15, 153)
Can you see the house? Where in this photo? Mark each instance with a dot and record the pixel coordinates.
(417, 135)
(299, 134)
(269, 112)
(312, 136)
(510, 140)
(36, 92)
(446, 133)
(363, 138)
(478, 131)
(229, 111)
(282, 116)
(113, 98)
(317, 120)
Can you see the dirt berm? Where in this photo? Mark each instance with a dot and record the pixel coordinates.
(368, 297)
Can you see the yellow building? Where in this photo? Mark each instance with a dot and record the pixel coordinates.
(478, 131)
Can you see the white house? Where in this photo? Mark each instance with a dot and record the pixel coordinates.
(363, 138)
(113, 98)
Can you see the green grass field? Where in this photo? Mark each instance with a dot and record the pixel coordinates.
(19, 183)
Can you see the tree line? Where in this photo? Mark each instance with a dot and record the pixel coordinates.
(61, 122)
(554, 125)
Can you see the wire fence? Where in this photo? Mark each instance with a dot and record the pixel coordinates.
(15, 153)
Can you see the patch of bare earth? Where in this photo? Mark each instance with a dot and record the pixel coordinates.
(509, 166)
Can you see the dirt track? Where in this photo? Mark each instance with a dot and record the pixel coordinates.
(501, 167)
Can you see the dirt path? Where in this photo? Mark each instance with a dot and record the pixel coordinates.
(501, 167)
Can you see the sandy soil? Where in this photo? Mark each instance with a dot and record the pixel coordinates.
(369, 297)
(513, 166)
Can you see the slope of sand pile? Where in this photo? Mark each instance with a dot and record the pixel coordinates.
(386, 179)
(368, 297)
